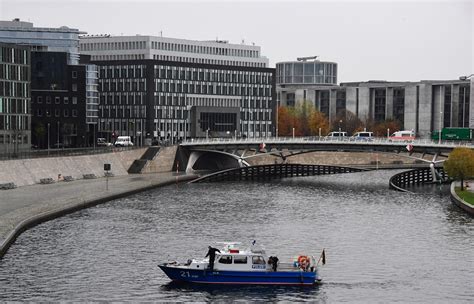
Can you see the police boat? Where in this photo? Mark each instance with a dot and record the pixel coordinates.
(234, 265)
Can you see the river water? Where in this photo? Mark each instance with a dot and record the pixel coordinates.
(381, 245)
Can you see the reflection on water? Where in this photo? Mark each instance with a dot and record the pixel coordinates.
(381, 245)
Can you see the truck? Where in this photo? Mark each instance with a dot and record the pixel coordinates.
(457, 134)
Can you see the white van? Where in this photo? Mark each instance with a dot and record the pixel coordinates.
(405, 136)
(336, 135)
(363, 136)
(123, 141)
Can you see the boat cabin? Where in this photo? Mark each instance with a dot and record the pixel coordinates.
(233, 258)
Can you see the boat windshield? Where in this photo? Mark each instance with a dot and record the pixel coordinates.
(258, 260)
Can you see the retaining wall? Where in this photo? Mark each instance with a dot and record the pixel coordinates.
(460, 202)
(24, 172)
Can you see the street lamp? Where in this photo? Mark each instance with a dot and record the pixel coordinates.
(439, 135)
(93, 136)
(48, 136)
(340, 122)
(57, 140)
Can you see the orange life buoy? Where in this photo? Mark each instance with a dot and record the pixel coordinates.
(303, 261)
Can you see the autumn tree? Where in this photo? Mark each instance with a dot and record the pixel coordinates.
(303, 109)
(304, 118)
(318, 121)
(460, 164)
(285, 121)
(380, 128)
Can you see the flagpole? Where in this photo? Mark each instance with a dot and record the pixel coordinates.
(323, 254)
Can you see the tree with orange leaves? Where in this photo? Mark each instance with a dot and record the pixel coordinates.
(285, 121)
(304, 118)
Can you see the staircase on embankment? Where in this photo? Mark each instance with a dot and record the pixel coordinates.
(163, 161)
(138, 165)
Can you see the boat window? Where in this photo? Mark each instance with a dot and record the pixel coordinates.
(225, 259)
(258, 260)
(240, 260)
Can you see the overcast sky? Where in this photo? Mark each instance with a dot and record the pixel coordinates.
(389, 40)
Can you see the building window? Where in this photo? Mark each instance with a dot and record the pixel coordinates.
(48, 99)
(74, 113)
(66, 100)
(56, 112)
(74, 100)
(74, 74)
(39, 99)
(379, 104)
(66, 113)
(74, 87)
(57, 100)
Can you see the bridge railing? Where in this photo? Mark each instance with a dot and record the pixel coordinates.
(402, 180)
(324, 139)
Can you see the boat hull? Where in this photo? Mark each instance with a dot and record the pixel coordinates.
(182, 274)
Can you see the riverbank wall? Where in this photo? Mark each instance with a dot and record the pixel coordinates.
(459, 201)
(23, 172)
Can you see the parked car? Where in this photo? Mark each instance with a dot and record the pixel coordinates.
(363, 136)
(336, 135)
(123, 141)
(102, 142)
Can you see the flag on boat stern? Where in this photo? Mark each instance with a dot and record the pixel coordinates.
(323, 257)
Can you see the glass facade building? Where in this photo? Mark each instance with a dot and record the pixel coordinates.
(62, 39)
(15, 81)
(306, 72)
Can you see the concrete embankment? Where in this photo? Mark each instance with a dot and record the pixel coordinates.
(459, 201)
(27, 206)
(24, 172)
(32, 203)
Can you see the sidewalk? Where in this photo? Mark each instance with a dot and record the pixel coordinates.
(24, 207)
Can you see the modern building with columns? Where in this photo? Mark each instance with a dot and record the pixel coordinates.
(423, 106)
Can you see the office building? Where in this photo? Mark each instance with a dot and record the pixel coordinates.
(64, 101)
(172, 100)
(218, 52)
(62, 39)
(15, 116)
(423, 106)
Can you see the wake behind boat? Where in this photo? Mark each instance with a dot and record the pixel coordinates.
(234, 265)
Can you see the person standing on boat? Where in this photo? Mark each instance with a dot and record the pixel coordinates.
(212, 255)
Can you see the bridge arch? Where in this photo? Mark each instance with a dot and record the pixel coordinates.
(213, 160)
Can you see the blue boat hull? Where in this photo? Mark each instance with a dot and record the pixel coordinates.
(240, 277)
